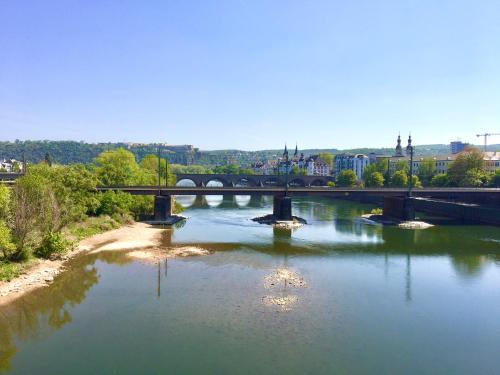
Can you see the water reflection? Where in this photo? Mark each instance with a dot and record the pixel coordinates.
(336, 238)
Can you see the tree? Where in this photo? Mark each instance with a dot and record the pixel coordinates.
(495, 180)
(399, 179)
(346, 177)
(48, 159)
(469, 159)
(475, 178)
(374, 179)
(16, 167)
(117, 167)
(427, 170)
(440, 180)
(402, 165)
(327, 158)
(247, 171)
(416, 182)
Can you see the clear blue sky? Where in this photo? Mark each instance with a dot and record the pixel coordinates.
(250, 74)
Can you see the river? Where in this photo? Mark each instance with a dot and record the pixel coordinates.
(336, 296)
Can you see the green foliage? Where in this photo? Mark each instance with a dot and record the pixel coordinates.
(53, 244)
(95, 225)
(495, 179)
(399, 179)
(9, 271)
(475, 178)
(440, 180)
(117, 167)
(247, 171)
(327, 158)
(426, 171)
(330, 184)
(377, 211)
(346, 178)
(111, 203)
(416, 182)
(16, 167)
(227, 169)
(469, 159)
(5, 202)
(402, 165)
(7, 246)
(374, 179)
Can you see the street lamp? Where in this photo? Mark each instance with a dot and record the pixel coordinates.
(285, 157)
(410, 150)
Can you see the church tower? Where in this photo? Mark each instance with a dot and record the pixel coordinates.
(399, 149)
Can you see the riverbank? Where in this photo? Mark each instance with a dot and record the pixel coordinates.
(41, 272)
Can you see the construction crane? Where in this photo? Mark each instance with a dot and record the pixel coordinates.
(486, 135)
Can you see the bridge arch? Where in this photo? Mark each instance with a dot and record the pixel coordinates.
(185, 182)
(271, 181)
(318, 182)
(299, 182)
(217, 182)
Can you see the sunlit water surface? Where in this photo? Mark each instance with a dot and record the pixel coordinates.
(336, 296)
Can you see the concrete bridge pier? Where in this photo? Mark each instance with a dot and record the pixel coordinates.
(282, 207)
(402, 208)
(163, 207)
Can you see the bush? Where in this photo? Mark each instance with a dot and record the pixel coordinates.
(7, 247)
(346, 178)
(53, 244)
(440, 180)
(330, 184)
(377, 211)
(374, 179)
(399, 179)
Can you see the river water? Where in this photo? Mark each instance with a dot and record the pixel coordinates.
(336, 296)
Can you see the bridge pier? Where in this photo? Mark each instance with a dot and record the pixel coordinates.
(282, 208)
(402, 208)
(162, 207)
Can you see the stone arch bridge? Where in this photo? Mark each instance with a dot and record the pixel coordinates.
(232, 180)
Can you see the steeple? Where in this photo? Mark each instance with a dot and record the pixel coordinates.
(409, 145)
(399, 149)
(296, 153)
(285, 153)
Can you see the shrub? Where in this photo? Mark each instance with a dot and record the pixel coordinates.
(346, 178)
(440, 180)
(330, 184)
(399, 179)
(53, 244)
(377, 211)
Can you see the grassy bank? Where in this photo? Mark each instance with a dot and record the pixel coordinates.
(72, 234)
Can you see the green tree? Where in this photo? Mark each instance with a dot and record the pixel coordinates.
(327, 158)
(117, 167)
(375, 179)
(427, 170)
(16, 167)
(399, 179)
(475, 178)
(247, 171)
(495, 180)
(440, 180)
(7, 247)
(402, 165)
(346, 177)
(48, 159)
(416, 181)
(469, 159)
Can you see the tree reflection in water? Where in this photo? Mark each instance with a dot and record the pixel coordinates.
(50, 307)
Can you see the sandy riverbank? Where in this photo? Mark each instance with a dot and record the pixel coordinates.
(141, 241)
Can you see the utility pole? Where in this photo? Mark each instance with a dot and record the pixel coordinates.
(486, 135)
(159, 170)
(410, 149)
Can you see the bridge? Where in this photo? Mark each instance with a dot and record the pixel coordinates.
(232, 180)
(476, 204)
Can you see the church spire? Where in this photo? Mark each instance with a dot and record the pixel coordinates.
(399, 149)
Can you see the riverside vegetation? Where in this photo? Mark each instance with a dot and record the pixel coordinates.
(52, 206)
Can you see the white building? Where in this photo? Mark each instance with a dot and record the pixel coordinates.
(315, 166)
(356, 163)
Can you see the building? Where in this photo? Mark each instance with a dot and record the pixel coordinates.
(356, 163)
(11, 165)
(316, 166)
(399, 149)
(492, 161)
(458, 146)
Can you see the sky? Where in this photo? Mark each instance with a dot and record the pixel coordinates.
(250, 74)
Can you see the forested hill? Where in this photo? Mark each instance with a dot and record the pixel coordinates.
(67, 152)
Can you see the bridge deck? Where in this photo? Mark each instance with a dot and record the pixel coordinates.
(177, 190)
